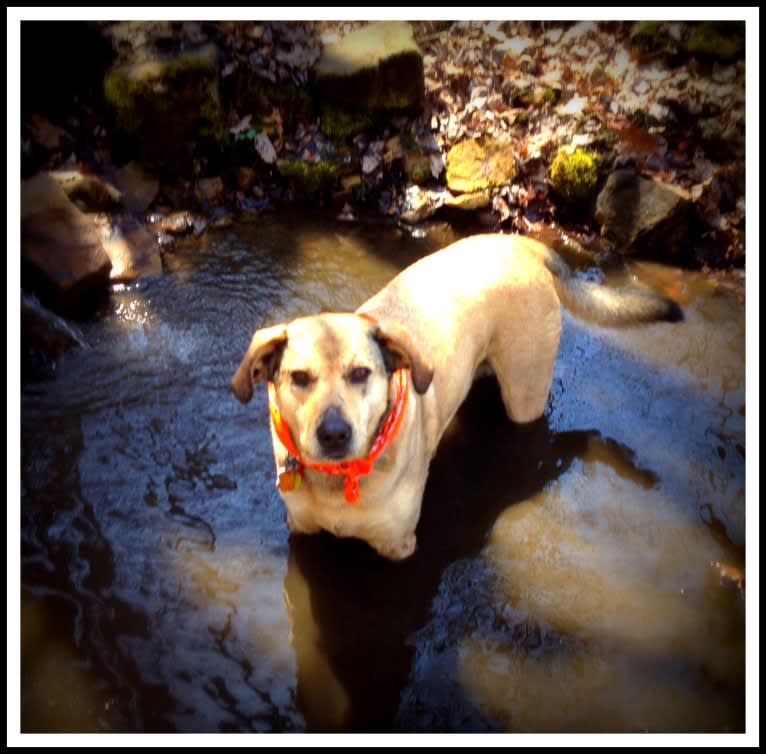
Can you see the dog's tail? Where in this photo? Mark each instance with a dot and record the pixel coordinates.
(610, 307)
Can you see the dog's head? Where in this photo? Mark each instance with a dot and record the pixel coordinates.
(332, 374)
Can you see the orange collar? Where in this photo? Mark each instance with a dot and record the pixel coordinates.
(290, 475)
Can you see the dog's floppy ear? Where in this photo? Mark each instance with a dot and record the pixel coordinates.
(399, 350)
(260, 360)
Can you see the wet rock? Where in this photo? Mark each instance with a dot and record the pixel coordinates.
(177, 223)
(89, 192)
(346, 214)
(419, 204)
(209, 189)
(138, 189)
(729, 575)
(417, 167)
(371, 161)
(474, 200)
(376, 68)
(474, 166)
(170, 109)
(46, 332)
(642, 215)
(245, 178)
(134, 253)
(45, 134)
(60, 245)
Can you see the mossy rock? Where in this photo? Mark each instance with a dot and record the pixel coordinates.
(417, 168)
(477, 166)
(249, 92)
(341, 123)
(717, 40)
(309, 180)
(170, 111)
(652, 38)
(378, 68)
(573, 174)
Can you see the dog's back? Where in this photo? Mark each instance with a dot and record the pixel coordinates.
(496, 298)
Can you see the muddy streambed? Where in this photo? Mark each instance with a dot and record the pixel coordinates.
(572, 575)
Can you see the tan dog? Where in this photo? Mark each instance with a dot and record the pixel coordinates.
(338, 380)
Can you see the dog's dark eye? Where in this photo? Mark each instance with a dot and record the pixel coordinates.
(300, 378)
(358, 375)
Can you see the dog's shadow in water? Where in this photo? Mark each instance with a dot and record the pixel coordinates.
(351, 611)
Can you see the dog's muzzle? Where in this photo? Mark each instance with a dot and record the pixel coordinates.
(334, 433)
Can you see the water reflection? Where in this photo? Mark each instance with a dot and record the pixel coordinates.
(352, 612)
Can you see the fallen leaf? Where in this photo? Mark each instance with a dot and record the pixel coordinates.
(265, 149)
(243, 125)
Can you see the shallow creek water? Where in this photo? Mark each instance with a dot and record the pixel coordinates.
(570, 575)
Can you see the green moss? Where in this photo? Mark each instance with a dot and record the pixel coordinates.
(550, 95)
(309, 179)
(521, 121)
(123, 92)
(117, 89)
(211, 123)
(720, 40)
(339, 123)
(651, 37)
(170, 110)
(360, 193)
(418, 167)
(411, 144)
(251, 93)
(421, 174)
(573, 174)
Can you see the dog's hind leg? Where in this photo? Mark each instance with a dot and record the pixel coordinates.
(523, 362)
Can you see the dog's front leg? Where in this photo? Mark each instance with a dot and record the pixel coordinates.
(398, 550)
(302, 524)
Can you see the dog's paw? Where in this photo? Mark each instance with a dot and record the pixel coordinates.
(400, 550)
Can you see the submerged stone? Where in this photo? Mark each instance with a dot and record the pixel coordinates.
(134, 253)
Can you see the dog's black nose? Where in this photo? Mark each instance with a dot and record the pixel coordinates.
(334, 432)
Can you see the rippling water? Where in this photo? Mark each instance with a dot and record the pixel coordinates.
(568, 575)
